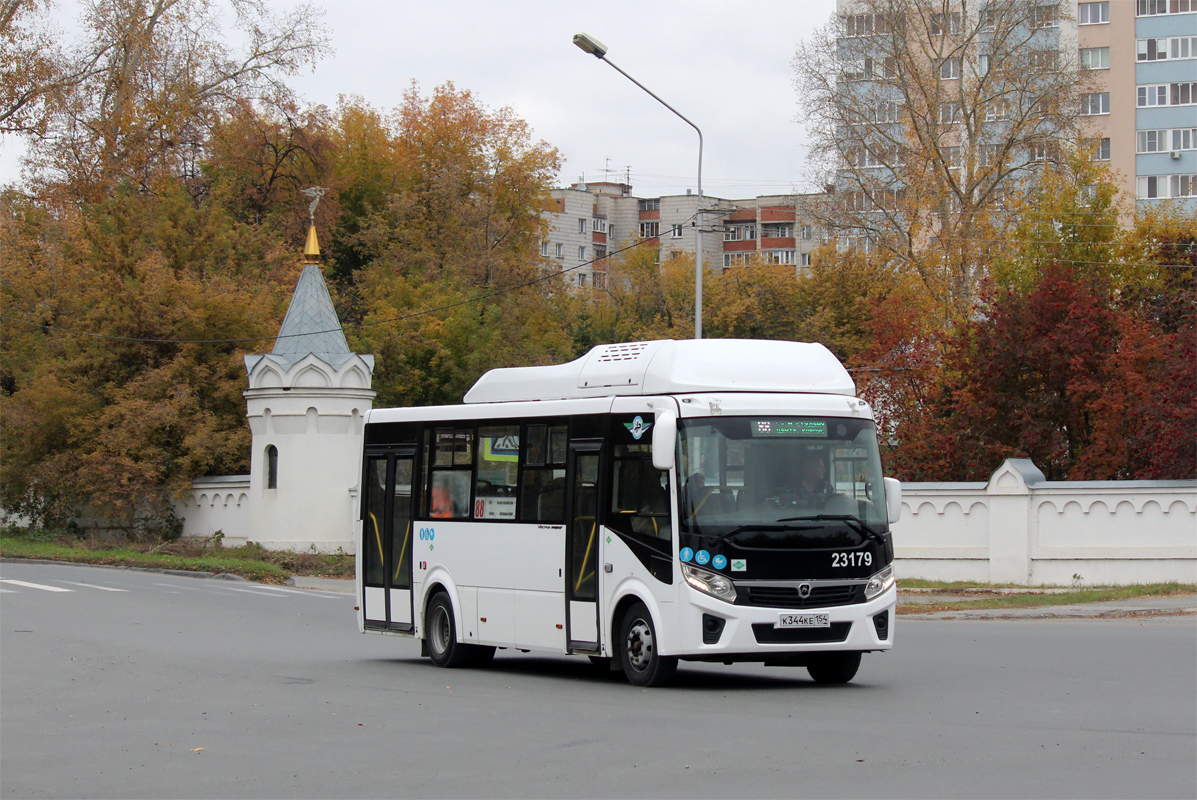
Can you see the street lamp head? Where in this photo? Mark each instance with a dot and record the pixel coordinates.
(589, 44)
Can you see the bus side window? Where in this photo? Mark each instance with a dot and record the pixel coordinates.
(639, 497)
(542, 474)
(452, 468)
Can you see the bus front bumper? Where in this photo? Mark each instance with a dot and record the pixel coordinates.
(713, 630)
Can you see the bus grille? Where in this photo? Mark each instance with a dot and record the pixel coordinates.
(787, 596)
(766, 634)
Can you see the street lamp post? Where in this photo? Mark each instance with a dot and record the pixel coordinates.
(589, 44)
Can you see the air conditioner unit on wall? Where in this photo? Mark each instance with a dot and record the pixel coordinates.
(1174, 154)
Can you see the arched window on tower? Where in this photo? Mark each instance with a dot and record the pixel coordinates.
(271, 467)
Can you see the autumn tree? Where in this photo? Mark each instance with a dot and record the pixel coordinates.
(930, 118)
(150, 77)
(32, 69)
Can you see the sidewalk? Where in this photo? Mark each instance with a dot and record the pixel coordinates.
(323, 584)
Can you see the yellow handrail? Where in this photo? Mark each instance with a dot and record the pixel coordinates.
(378, 538)
(402, 552)
(589, 546)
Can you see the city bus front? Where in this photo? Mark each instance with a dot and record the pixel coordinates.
(783, 537)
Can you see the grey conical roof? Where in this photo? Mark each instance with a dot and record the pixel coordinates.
(311, 325)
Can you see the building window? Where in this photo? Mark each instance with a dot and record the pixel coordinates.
(581, 253)
(650, 205)
(1184, 139)
(954, 156)
(1093, 13)
(949, 69)
(1175, 48)
(544, 248)
(1095, 103)
(1153, 95)
(581, 279)
(1158, 187)
(777, 231)
(599, 225)
(805, 260)
(949, 113)
(1150, 8)
(946, 23)
(559, 250)
(1095, 58)
(1151, 141)
(736, 259)
(983, 64)
(1182, 94)
(600, 252)
(807, 232)
(739, 233)
(650, 230)
(1045, 16)
(582, 225)
(675, 231)
(271, 467)
(779, 256)
(1100, 148)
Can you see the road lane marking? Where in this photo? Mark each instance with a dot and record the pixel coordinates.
(93, 586)
(253, 591)
(29, 585)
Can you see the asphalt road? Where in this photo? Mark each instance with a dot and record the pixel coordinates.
(136, 684)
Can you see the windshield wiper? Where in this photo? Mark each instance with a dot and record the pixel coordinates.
(852, 522)
(723, 537)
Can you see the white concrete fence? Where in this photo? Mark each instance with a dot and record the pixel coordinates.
(1016, 528)
(1020, 528)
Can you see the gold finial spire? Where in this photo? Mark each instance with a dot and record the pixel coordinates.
(312, 248)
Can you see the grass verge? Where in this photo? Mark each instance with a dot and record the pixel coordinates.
(1090, 594)
(250, 561)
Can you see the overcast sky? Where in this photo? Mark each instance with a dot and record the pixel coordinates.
(725, 65)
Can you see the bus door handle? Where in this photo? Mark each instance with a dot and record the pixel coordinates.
(607, 567)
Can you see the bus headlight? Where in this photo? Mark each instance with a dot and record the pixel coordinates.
(879, 582)
(711, 583)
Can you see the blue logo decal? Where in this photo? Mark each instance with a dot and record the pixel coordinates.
(702, 557)
(427, 534)
(686, 554)
(719, 562)
(637, 427)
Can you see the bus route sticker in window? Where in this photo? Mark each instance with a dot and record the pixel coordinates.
(739, 565)
(494, 508)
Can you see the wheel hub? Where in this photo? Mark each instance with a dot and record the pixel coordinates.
(640, 645)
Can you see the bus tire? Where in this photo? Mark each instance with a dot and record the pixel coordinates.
(834, 667)
(440, 633)
(643, 665)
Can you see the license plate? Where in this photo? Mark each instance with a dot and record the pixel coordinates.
(803, 621)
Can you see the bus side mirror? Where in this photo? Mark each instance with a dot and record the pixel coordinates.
(664, 438)
(893, 499)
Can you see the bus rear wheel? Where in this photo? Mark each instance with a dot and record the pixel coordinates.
(834, 667)
(440, 631)
(643, 665)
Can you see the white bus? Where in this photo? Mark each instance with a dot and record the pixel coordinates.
(707, 500)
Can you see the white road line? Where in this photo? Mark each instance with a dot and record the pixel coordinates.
(305, 592)
(93, 586)
(8, 591)
(29, 585)
(175, 586)
(252, 591)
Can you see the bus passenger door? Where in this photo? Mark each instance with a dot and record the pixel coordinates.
(387, 540)
(582, 550)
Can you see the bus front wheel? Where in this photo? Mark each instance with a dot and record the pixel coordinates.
(440, 631)
(642, 663)
(834, 667)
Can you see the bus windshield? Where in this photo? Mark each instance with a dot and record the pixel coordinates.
(773, 479)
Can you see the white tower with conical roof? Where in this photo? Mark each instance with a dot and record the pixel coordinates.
(306, 400)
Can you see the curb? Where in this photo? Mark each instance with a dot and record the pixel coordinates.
(180, 573)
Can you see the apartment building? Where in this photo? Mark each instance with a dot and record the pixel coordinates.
(1140, 114)
(1165, 97)
(590, 221)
